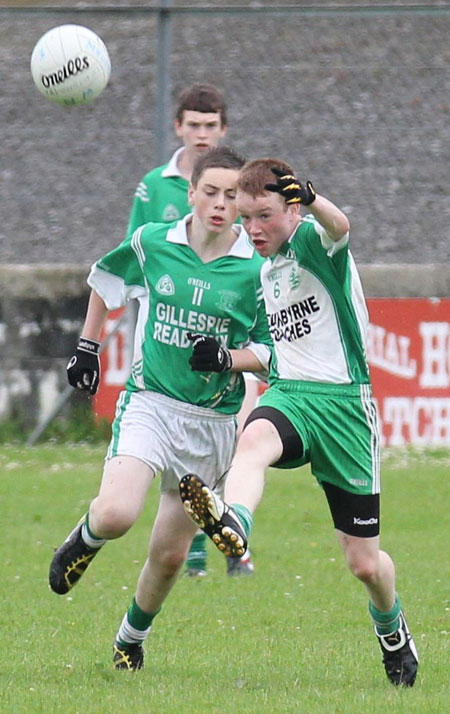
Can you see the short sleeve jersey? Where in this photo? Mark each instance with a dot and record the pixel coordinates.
(177, 294)
(160, 197)
(316, 309)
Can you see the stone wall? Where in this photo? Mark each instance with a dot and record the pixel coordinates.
(357, 102)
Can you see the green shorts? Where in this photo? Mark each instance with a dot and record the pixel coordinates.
(338, 427)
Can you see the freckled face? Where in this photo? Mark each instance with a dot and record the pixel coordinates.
(267, 219)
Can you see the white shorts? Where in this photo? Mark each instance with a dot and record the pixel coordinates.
(173, 438)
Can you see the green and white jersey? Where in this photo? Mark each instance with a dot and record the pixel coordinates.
(160, 197)
(316, 309)
(177, 294)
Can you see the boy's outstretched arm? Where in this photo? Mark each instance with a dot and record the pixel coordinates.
(83, 369)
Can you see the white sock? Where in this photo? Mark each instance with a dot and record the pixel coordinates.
(90, 540)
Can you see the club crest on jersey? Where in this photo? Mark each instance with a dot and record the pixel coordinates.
(170, 213)
(294, 279)
(165, 286)
(228, 299)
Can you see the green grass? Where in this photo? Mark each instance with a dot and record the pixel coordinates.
(294, 638)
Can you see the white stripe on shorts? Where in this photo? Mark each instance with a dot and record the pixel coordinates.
(372, 422)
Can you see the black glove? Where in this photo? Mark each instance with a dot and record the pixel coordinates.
(83, 369)
(291, 189)
(208, 355)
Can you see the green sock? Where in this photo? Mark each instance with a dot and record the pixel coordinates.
(244, 516)
(138, 618)
(136, 625)
(196, 558)
(386, 622)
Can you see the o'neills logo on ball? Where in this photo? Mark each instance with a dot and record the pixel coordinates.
(73, 67)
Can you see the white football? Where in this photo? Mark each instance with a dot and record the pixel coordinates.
(70, 65)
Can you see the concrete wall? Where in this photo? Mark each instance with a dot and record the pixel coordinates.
(42, 309)
(41, 315)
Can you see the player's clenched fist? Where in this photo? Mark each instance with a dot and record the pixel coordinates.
(83, 369)
(291, 189)
(208, 355)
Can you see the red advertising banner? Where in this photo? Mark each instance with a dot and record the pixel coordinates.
(115, 361)
(408, 351)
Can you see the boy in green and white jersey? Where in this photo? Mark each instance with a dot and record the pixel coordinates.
(162, 196)
(178, 295)
(318, 408)
(200, 304)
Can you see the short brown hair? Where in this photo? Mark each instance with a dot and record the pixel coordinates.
(221, 157)
(202, 98)
(255, 174)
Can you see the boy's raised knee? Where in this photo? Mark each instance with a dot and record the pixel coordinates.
(110, 520)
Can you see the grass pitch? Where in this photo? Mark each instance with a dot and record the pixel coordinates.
(293, 638)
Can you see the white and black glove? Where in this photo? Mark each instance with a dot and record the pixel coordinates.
(83, 369)
(208, 355)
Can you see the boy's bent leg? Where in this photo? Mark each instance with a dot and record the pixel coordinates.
(213, 516)
(259, 446)
(121, 498)
(376, 571)
(228, 526)
(169, 543)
